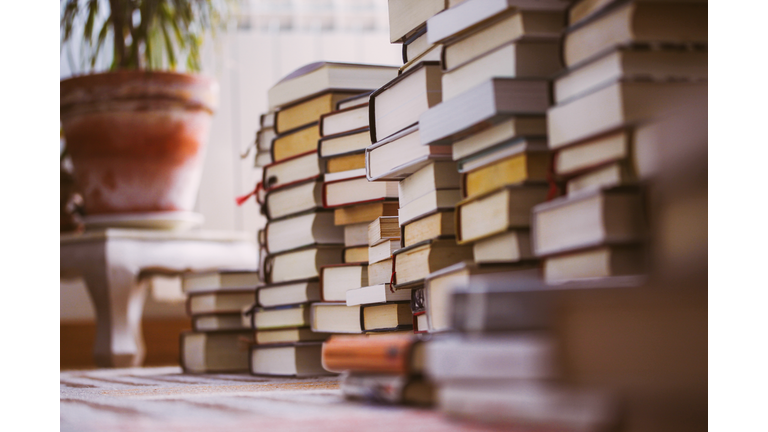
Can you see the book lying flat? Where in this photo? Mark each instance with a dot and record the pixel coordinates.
(208, 281)
(309, 111)
(294, 199)
(289, 335)
(293, 360)
(337, 279)
(302, 263)
(336, 318)
(303, 230)
(385, 354)
(280, 317)
(214, 352)
(288, 293)
(216, 322)
(219, 301)
(375, 294)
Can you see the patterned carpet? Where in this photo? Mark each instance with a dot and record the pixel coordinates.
(164, 399)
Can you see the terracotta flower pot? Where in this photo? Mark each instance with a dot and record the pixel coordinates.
(137, 139)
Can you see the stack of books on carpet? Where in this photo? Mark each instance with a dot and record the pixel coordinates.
(498, 59)
(301, 235)
(386, 369)
(219, 339)
(616, 82)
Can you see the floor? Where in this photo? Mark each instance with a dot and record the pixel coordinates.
(164, 399)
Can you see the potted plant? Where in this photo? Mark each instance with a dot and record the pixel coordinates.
(136, 134)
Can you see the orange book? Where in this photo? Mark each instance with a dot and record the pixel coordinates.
(384, 354)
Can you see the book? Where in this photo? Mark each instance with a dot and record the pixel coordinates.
(214, 352)
(336, 280)
(374, 294)
(593, 153)
(462, 18)
(506, 130)
(491, 102)
(387, 354)
(264, 139)
(290, 335)
(356, 234)
(604, 177)
(432, 54)
(262, 159)
(430, 203)
(380, 272)
(307, 229)
(291, 171)
(505, 28)
(497, 211)
(224, 300)
(636, 22)
(382, 229)
(541, 405)
(413, 263)
(382, 251)
(301, 263)
(632, 62)
(344, 143)
(336, 318)
(353, 101)
(516, 59)
(318, 77)
(356, 254)
(510, 246)
(440, 285)
(293, 360)
(309, 111)
(288, 293)
(293, 199)
(267, 120)
(534, 146)
(387, 317)
(594, 218)
(349, 119)
(398, 104)
(416, 45)
(387, 389)
(600, 262)
(407, 17)
(207, 281)
(400, 155)
(351, 161)
(356, 190)
(364, 212)
(280, 317)
(295, 142)
(523, 160)
(491, 357)
(437, 225)
(214, 322)
(433, 176)
(344, 175)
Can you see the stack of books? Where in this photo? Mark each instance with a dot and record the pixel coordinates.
(498, 58)
(616, 82)
(219, 339)
(301, 235)
(263, 142)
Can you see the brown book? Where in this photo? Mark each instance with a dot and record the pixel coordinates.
(497, 211)
(440, 224)
(217, 322)
(356, 254)
(601, 262)
(295, 142)
(309, 111)
(364, 212)
(387, 354)
(603, 217)
(525, 166)
(345, 162)
(383, 228)
(415, 262)
(660, 22)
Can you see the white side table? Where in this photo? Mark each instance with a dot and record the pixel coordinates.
(111, 262)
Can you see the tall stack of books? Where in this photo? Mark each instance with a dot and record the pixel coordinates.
(497, 58)
(218, 341)
(616, 82)
(301, 235)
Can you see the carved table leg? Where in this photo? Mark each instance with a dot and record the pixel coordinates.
(118, 297)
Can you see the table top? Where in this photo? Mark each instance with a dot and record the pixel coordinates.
(154, 234)
(163, 399)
